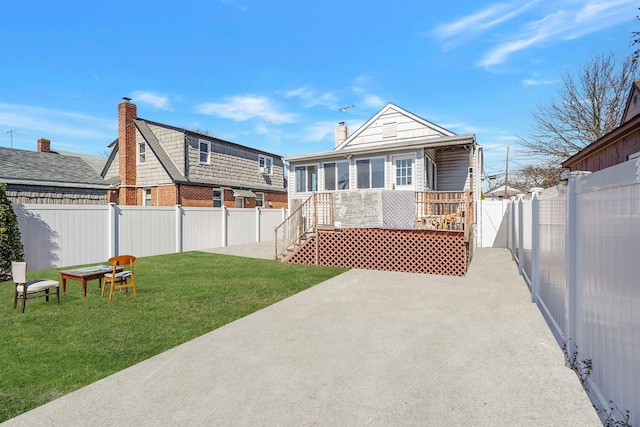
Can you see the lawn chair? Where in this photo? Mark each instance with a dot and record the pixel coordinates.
(32, 289)
(120, 280)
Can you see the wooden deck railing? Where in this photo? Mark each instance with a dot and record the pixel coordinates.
(305, 217)
(444, 210)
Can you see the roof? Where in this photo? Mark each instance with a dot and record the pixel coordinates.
(385, 109)
(47, 169)
(632, 125)
(499, 191)
(96, 162)
(438, 142)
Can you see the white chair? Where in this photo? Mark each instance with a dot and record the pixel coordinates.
(32, 289)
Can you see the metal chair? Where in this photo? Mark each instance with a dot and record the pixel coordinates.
(32, 289)
(125, 279)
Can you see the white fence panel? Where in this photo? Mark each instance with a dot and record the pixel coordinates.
(526, 239)
(495, 223)
(241, 226)
(608, 277)
(201, 228)
(146, 230)
(586, 284)
(270, 219)
(63, 235)
(552, 296)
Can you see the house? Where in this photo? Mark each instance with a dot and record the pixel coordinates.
(397, 194)
(617, 146)
(49, 177)
(160, 165)
(498, 192)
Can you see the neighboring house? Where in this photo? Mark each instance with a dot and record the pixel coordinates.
(498, 192)
(397, 177)
(48, 177)
(160, 165)
(619, 145)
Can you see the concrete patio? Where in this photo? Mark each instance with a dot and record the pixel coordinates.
(364, 348)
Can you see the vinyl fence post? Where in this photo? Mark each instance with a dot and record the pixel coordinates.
(535, 244)
(512, 213)
(224, 226)
(520, 236)
(258, 213)
(179, 224)
(113, 230)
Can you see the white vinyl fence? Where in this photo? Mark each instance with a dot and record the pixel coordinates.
(577, 247)
(66, 235)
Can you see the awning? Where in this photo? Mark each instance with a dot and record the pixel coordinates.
(243, 193)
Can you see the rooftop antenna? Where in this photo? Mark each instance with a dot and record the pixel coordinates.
(10, 132)
(346, 109)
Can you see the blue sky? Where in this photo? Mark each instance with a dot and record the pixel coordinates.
(273, 75)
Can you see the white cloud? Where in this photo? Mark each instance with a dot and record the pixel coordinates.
(470, 26)
(156, 100)
(538, 82)
(542, 24)
(373, 101)
(319, 131)
(312, 98)
(246, 107)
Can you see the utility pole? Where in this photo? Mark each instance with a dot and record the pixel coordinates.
(10, 132)
(506, 175)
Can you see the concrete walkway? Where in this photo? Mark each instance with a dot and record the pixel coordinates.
(367, 348)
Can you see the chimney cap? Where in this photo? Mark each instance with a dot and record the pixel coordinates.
(126, 99)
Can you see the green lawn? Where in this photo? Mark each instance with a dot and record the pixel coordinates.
(53, 349)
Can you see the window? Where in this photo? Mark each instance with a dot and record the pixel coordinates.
(259, 200)
(266, 165)
(306, 179)
(142, 152)
(370, 173)
(217, 198)
(205, 149)
(147, 197)
(404, 172)
(336, 176)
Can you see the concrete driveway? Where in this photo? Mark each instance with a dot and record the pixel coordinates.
(366, 348)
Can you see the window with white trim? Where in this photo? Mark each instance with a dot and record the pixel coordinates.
(306, 178)
(205, 151)
(217, 198)
(147, 197)
(370, 173)
(266, 165)
(259, 200)
(142, 152)
(336, 176)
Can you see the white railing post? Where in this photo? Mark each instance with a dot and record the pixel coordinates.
(224, 226)
(535, 243)
(179, 233)
(512, 211)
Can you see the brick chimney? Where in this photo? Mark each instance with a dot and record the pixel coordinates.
(44, 145)
(127, 152)
(341, 133)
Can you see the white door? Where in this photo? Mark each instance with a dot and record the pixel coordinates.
(403, 173)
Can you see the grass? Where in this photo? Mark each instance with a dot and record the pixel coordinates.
(51, 349)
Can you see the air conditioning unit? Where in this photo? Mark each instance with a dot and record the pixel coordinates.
(263, 170)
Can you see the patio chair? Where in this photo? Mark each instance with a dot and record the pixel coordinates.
(120, 280)
(32, 289)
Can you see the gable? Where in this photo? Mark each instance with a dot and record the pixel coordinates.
(391, 125)
(633, 103)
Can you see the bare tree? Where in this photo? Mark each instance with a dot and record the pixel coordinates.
(588, 105)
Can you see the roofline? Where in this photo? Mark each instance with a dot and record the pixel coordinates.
(55, 183)
(402, 111)
(231, 186)
(438, 142)
(604, 141)
(208, 137)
